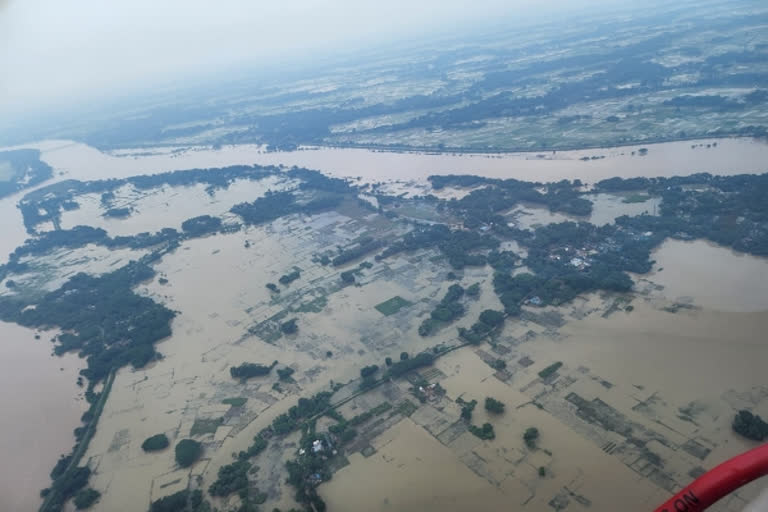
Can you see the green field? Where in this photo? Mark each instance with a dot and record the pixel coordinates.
(205, 426)
(393, 305)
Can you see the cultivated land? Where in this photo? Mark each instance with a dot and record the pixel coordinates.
(656, 72)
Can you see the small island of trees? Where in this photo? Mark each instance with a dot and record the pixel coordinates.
(485, 432)
(494, 406)
(155, 443)
(246, 371)
(187, 452)
(531, 437)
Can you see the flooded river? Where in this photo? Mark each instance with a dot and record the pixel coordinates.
(728, 156)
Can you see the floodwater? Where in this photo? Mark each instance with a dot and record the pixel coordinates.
(605, 209)
(41, 405)
(176, 203)
(218, 285)
(72, 160)
(410, 471)
(714, 277)
(729, 156)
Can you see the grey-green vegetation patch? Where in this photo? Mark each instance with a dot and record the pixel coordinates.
(235, 402)
(393, 305)
(406, 408)
(636, 198)
(315, 305)
(205, 426)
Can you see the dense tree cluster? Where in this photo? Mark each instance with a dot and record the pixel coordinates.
(182, 501)
(750, 426)
(493, 405)
(187, 452)
(289, 326)
(201, 225)
(103, 318)
(305, 408)
(290, 277)
(67, 485)
(729, 210)
(488, 321)
(447, 310)
(485, 432)
(285, 373)
(367, 373)
(248, 370)
(484, 205)
(405, 365)
(279, 204)
(459, 246)
(531, 437)
(348, 276)
(502, 260)
(231, 478)
(259, 445)
(155, 443)
(467, 408)
(86, 498)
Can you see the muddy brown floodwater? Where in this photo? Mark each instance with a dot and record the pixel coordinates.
(714, 277)
(41, 405)
(694, 354)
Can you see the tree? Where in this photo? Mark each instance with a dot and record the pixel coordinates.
(750, 426)
(467, 408)
(403, 356)
(542, 471)
(492, 318)
(368, 371)
(155, 443)
(348, 276)
(173, 503)
(247, 370)
(494, 406)
(231, 478)
(500, 364)
(531, 436)
(85, 498)
(289, 327)
(484, 432)
(187, 452)
(388, 361)
(285, 373)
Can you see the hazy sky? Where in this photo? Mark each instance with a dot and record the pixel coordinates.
(58, 50)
